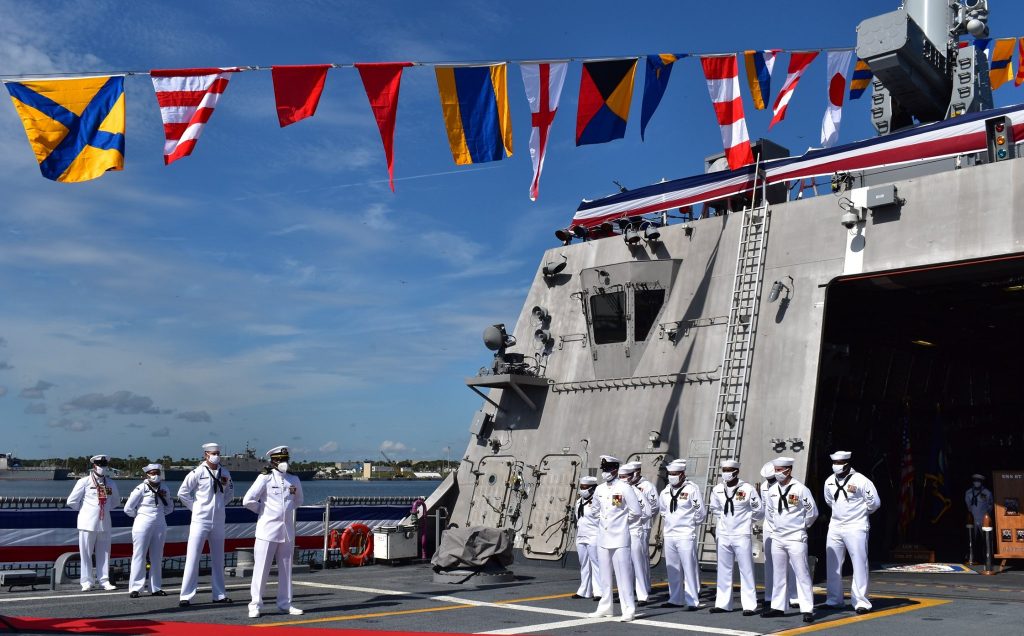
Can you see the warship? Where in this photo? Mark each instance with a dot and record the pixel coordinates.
(726, 316)
(11, 469)
(244, 467)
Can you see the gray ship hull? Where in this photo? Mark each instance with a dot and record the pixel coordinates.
(33, 474)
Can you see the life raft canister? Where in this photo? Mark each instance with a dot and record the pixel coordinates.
(356, 535)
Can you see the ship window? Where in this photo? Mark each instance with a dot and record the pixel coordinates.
(646, 304)
(608, 312)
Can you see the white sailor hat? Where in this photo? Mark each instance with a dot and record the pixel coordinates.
(211, 447)
(768, 470)
(783, 462)
(150, 467)
(730, 463)
(629, 468)
(676, 466)
(99, 458)
(587, 480)
(608, 459)
(977, 476)
(277, 450)
(839, 456)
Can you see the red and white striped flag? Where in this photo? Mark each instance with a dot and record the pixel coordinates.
(838, 64)
(722, 75)
(543, 84)
(798, 63)
(187, 98)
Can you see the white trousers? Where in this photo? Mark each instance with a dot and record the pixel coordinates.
(736, 550)
(94, 544)
(641, 563)
(683, 578)
(837, 544)
(791, 554)
(198, 534)
(147, 538)
(616, 560)
(590, 570)
(264, 552)
(769, 573)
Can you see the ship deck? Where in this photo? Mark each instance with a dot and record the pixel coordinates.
(404, 599)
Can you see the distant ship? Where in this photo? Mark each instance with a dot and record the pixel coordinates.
(244, 466)
(11, 469)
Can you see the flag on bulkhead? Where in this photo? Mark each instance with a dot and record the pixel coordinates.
(474, 102)
(1017, 81)
(722, 75)
(838, 64)
(381, 82)
(759, 65)
(74, 126)
(606, 90)
(1001, 66)
(861, 78)
(798, 63)
(187, 99)
(659, 69)
(297, 91)
(543, 83)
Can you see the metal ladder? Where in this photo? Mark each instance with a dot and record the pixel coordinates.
(731, 408)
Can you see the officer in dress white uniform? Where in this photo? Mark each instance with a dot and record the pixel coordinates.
(585, 517)
(979, 502)
(792, 510)
(737, 505)
(640, 529)
(682, 511)
(768, 531)
(206, 490)
(617, 505)
(149, 503)
(274, 496)
(94, 496)
(852, 498)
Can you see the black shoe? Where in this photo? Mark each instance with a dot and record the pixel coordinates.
(808, 617)
(133, 595)
(183, 603)
(641, 603)
(862, 610)
(596, 599)
(670, 605)
(691, 608)
(772, 613)
(577, 596)
(717, 610)
(159, 593)
(749, 612)
(226, 599)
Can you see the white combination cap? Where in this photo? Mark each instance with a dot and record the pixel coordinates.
(277, 450)
(768, 470)
(730, 463)
(99, 458)
(628, 469)
(974, 476)
(609, 459)
(151, 467)
(783, 462)
(211, 446)
(676, 466)
(587, 480)
(840, 455)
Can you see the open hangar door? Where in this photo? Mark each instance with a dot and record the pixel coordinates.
(921, 373)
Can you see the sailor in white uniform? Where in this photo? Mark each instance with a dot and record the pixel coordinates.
(852, 498)
(768, 531)
(94, 496)
(736, 504)
(149, 503)
(617, 506)
(640, 529)
(206, 490)
(791, 510)
(585, 517)
(682, 511)
(274, 496)
(979, 501)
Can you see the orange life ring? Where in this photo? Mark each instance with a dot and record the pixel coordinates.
(356, 535)
(334, 539)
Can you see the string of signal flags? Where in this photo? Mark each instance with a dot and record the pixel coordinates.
(76, 124)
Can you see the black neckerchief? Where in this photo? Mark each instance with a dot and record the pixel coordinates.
(217, 486)
(782, 497)
(584, 501)
(841, 487)
(729, 508)
(675, 497)
(157, 492)
(974, 495)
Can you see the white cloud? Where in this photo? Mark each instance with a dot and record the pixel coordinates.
(329, 447)
(388, 445)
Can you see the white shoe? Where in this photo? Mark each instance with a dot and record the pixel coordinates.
(626, 618)
(294, 611)
(107, 585)
(254, 613)
(600, 615)
(86, 587)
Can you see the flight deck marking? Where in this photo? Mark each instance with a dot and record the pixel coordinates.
(105, 593)
(920, 603)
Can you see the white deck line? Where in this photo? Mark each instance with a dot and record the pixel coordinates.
(124, 591)
(532, 629)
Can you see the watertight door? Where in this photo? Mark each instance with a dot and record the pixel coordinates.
(549, 525)
(494, 481)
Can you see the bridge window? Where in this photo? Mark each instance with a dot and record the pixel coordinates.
(646, 305)
(608, 312)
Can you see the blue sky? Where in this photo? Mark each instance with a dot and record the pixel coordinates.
(270, 289)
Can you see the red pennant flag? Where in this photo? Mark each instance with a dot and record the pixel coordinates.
(382, 82)
(297, 91)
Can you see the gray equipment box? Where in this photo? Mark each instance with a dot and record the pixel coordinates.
(394, 543)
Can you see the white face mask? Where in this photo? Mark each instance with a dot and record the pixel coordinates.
(154, 479)
(728, 476)
(607, 476)
(99, 470)
(675, 480)
(213, 459)
(781, 477)
(586, 493)
(282, 466)
(838, 468)
(977, 484)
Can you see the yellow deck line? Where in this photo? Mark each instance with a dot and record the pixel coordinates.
(352, 617)
(920, 603)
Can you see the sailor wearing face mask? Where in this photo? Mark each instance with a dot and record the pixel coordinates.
(792, 510)
(585, 517)
(617, 506)
(768, 532)
(852, 498)
(205, 491)
(148, 503)
(94, 496)
(274, 496)
(640, 530)
(979, 501)
(682, 511)
(737, 505)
